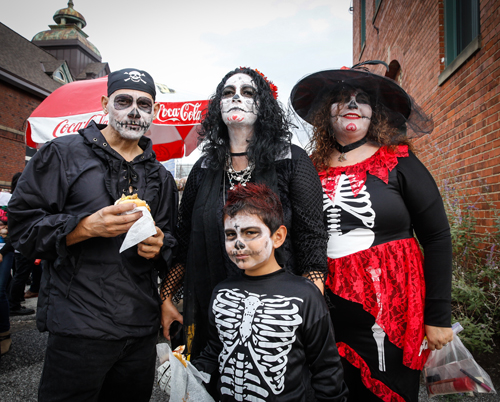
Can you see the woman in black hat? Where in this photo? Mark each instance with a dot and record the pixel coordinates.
(385, 296)
(246, 138)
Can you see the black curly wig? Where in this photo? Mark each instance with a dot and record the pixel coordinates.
(271, 133)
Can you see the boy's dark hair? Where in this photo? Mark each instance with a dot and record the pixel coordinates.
(255, 199)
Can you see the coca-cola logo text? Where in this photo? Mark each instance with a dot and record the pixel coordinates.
(185, 113)
(65, 127)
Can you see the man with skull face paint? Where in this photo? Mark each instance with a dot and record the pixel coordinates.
(101, 307)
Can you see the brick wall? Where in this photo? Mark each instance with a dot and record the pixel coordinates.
(464, 148)
(15, 107)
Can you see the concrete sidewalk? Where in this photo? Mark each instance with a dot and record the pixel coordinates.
(21, 367)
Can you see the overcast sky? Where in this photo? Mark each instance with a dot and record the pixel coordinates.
(191, 45)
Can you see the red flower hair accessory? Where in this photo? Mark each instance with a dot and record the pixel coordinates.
(274, 88)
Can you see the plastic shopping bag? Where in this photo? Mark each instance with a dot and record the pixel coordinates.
(181, 383)
(453, 370)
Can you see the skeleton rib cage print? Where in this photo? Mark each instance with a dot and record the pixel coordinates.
(257, 333)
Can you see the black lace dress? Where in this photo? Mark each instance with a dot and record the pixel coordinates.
(202, 262)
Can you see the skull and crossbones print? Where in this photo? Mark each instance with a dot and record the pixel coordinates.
(135, 76)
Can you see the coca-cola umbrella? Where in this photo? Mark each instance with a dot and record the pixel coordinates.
(72, 107)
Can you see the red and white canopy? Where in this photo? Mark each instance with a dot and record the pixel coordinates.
(71, 107)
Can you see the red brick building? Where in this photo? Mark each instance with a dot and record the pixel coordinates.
(32, 70)
(445, 53)
(23, 86)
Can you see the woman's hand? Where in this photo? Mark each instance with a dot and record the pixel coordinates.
(4, 230)
(319, 283)
(315, 277)
(169, 314)
(437, 337)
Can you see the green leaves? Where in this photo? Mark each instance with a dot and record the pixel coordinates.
(476, 273)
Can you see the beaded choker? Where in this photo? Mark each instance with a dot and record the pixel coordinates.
(344, 149)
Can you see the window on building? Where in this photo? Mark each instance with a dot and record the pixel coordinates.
(461, 34)
(363, 24)
(461, 22)
(58, 75)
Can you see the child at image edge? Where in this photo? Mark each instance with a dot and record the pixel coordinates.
(268, 327)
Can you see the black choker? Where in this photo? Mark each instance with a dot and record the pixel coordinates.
(238, 153)
(344, 149)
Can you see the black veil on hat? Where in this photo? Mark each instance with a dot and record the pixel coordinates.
(310, 93)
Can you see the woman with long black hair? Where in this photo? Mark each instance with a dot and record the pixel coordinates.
(246, 139)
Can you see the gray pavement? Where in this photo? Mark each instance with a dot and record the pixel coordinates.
(20, 369)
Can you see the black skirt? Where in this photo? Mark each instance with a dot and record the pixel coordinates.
(353, 327)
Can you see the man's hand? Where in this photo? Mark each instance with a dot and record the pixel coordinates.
(150, 248)
(169, 314)
(437, 337)
(107, 222)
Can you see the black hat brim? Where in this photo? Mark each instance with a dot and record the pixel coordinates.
(309, 93)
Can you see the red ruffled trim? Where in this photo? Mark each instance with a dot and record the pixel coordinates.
(379, 165)
(377, 387)
(388, 281)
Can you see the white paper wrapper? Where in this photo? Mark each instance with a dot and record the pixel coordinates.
(181, 383)
(143, 228)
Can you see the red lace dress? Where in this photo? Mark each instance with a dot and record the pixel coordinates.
(376, 268)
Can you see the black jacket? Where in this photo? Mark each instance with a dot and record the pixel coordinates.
(90, 289)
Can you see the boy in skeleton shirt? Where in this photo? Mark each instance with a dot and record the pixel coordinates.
(268, 327)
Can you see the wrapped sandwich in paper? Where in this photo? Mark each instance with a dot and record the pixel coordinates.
(143, 228)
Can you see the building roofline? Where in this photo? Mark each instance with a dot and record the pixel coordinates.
(23, 84)
(66, 43)
(27, 40)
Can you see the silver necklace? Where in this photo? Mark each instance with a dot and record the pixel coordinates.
(238, 177)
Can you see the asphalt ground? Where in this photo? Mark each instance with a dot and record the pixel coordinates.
(21, 367)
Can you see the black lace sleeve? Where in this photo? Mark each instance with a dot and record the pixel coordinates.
(309, 235)
(429, 220)
(172, 284)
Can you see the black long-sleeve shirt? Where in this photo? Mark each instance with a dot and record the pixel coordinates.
(266, 332)
(90, 289)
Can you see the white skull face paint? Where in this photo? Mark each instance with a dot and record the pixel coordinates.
(130, 113)
(352, 117)
(238, 104)
(248, 242)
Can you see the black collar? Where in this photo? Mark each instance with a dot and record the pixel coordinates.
(350, 147)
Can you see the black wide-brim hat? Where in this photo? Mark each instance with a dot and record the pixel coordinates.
(310, 93)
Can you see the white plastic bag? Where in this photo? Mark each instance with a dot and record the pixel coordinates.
(453, 370)
(181, 383)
